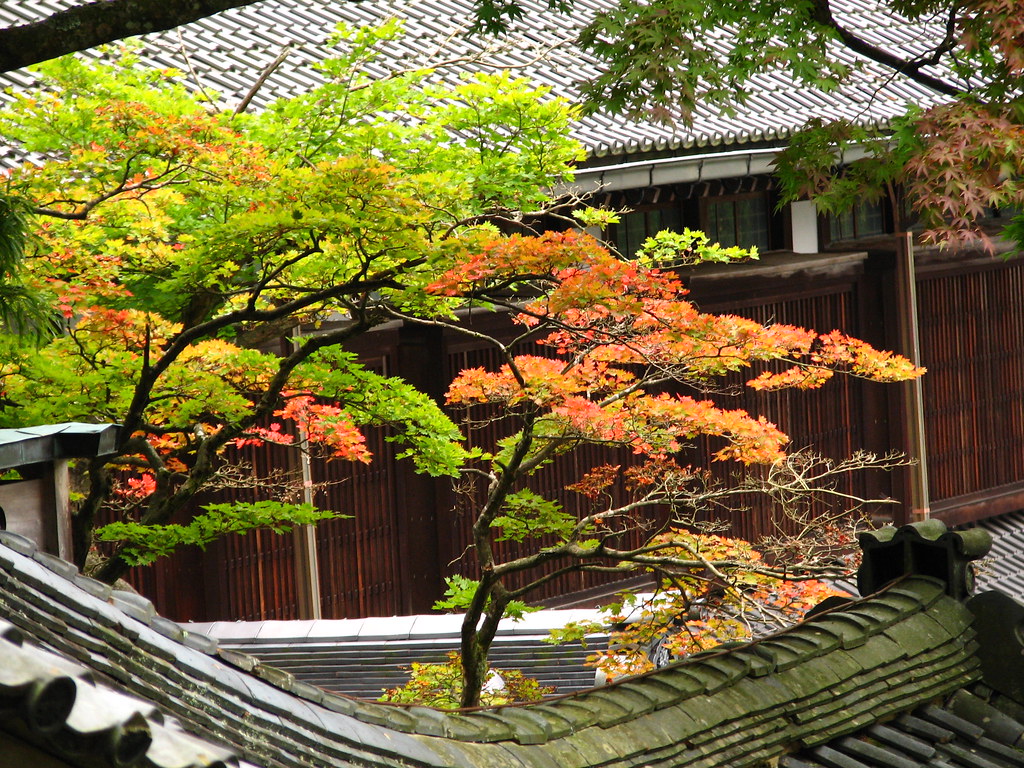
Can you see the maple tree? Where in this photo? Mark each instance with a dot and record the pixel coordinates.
(440, 685)
(699, 608)
(612, 338)
(172, 240)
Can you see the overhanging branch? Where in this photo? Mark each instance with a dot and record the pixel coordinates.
(910, 68)
(96, 23)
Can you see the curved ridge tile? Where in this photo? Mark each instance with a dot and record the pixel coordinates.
(824, 678)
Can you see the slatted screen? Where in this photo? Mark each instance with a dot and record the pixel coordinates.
(972, 342)
(359, 557)
(253, 576)
(972, 338)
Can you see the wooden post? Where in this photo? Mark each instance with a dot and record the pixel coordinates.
(58, 472)
(307, 564)
(420, 361)
(913, 392)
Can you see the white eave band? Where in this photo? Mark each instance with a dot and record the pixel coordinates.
(678, 170)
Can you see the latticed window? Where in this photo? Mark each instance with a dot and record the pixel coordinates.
(635, 227)
(862, 220)
(744, 221)
(732, 212)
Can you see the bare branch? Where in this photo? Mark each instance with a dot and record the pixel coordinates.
(267, 72)
(910, 68)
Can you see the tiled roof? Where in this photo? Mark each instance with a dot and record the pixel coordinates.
(62, 710)
(363, 657)
(966, 731)
(1003, 569)
(124, 643)
(793, 693)
(926, 548)
(50, 442)
(229, 51)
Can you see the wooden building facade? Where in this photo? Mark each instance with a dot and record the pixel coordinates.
(407, 531)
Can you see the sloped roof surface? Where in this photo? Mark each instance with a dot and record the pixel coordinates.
(229, 51)
(967, 731)
(364, 657)
(825, 679)
(63, 710)
(119, 638)
(1003, 569)
(49, 442)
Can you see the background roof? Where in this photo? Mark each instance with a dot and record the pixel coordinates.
(228, 52)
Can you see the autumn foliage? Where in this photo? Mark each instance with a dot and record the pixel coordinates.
(697, 608)
(180, 245)
(614, 342)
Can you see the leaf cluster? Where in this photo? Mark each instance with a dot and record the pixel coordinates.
(460, 592)
(440, 685)
(175, 241)
(143, 544)
(666, 57)
(726, 598)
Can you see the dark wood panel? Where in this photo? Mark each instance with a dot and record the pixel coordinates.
(972, 338)
(972, 342)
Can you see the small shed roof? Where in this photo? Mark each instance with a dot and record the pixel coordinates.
(51, 442)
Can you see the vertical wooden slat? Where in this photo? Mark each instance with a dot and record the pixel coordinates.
(973, 347)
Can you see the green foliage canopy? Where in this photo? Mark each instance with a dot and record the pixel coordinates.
(175, 241)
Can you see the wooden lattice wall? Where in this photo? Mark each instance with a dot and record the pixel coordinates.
(407, 532)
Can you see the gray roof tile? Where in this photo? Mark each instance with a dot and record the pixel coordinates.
(230, 50)
(718, 709)
(61, 709)
(932, 736)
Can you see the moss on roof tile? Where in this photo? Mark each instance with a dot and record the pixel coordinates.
(686, 681)
(532, 726)
(654, 691)
(737, 708)
(882, 613)
(721, 670)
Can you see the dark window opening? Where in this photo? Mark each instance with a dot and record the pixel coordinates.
(744, 221)
(730, 211)
(636, 226)
(862, 220)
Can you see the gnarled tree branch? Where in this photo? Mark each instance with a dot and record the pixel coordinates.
(91, 24)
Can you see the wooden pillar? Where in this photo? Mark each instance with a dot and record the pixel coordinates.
(58, 473)
(420, 360)
(913, 393)
(307, 565)
(874, 324)
(304, 539)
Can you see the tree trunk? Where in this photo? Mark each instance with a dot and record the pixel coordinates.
(477, 637)
(474, 673)
(87, 25)
(83, 521)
